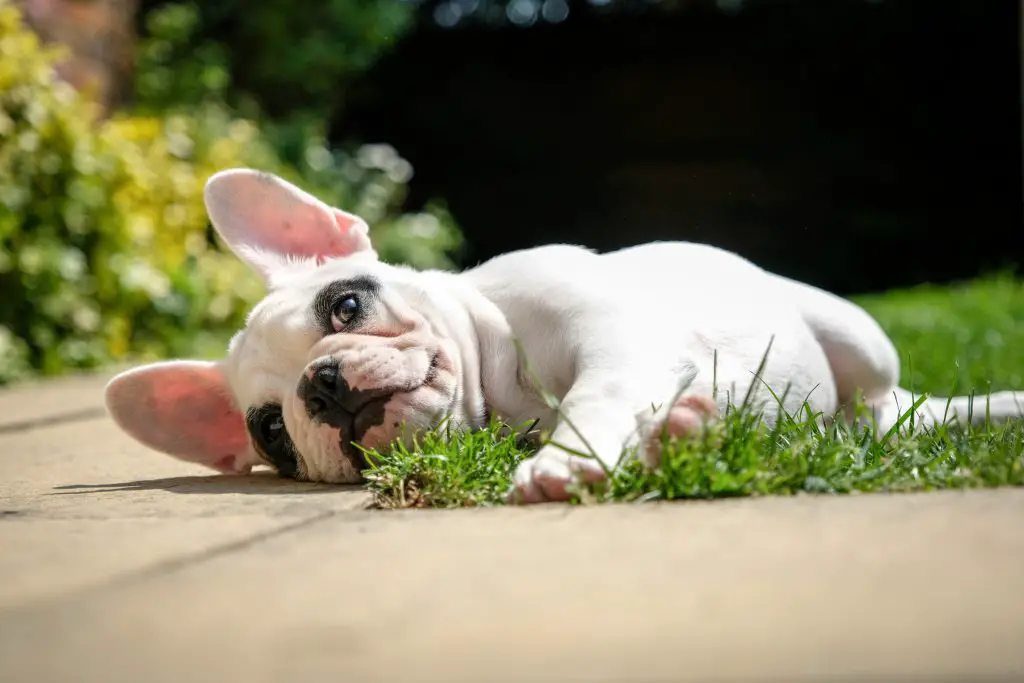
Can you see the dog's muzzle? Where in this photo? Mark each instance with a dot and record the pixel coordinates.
(328, 399)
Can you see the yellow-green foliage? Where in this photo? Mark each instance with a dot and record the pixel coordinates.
(105, 247)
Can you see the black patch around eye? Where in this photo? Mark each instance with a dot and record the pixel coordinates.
(364, 289)
(270, 437)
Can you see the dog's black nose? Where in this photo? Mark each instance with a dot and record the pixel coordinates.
(319, 391)
(330, 400)
(326, 378)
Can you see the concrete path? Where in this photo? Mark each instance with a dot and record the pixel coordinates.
(119, 565)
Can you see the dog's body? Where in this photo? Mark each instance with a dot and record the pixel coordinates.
(348, 349)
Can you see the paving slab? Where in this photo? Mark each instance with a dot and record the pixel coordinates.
(88, 469)
(81, 504)
(120, 565)
(866, 588)
(42, 402)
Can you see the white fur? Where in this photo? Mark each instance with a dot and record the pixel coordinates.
(611, 336)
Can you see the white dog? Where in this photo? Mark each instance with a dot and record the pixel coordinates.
(346, 349)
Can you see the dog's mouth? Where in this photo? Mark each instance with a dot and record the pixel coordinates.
(355, 412)
(351, 432)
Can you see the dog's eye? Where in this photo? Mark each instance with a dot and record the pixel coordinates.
(272, 428)
(345, 310)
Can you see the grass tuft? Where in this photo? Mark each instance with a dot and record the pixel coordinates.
(961, 339)
(448, 469)
(739, 456)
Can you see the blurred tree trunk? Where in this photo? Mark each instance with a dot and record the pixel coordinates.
(101, 38)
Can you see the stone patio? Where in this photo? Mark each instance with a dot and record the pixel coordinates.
(121, 565)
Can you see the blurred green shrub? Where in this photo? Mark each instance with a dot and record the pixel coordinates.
(105, 246)
(175, 73)
(289, 57)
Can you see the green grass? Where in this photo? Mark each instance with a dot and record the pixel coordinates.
(951, 339)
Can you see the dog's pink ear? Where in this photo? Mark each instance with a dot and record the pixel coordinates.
(184, 409)
(261, 215)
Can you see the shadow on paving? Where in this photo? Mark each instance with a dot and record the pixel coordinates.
(251, 484)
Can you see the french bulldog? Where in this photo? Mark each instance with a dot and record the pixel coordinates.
(632, 345)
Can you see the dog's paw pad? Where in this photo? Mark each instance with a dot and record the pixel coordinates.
(686, 419)
(549, 476)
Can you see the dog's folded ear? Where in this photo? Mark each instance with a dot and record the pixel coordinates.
(268, 222)
(184, 409)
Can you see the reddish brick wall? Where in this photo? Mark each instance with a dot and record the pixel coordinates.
(101, 36)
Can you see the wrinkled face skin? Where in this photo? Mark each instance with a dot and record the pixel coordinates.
(351, 351)
(344, 349)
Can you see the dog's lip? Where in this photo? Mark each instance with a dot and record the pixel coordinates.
(354, 455)
(349, 449)
(346, 444)
(353, 432)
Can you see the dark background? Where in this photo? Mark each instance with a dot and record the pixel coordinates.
(860, 145)
(856, 145)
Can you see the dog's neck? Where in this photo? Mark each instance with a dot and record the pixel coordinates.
(495, 348)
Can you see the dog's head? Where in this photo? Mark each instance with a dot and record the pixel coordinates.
(344, 349)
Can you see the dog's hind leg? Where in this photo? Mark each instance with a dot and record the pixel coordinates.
(863, 359)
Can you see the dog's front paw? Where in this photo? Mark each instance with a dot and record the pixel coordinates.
(687, 418)
(549, 475)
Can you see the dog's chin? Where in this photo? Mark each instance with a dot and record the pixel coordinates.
(326, 461)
